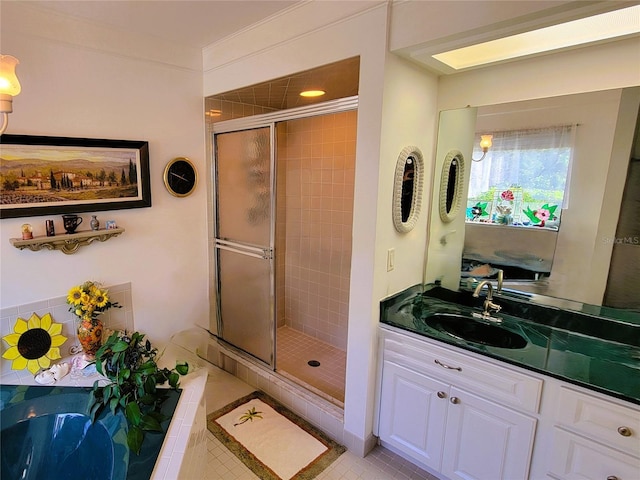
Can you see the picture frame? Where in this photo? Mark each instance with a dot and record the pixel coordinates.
(42, 175)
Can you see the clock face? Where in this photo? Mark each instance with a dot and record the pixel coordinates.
(180, 177)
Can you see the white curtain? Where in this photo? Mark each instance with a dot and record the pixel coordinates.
(535, 160)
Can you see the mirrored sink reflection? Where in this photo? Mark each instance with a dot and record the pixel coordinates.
(475, 330)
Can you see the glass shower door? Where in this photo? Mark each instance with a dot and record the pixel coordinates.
(244, 240)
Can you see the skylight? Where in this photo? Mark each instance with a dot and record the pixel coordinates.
(596, 28)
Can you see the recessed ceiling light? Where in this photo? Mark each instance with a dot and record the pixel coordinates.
(625, 21)
(312, 93)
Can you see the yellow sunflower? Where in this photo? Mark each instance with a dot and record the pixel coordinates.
(75, 295)
(34, 344)
(101, 298)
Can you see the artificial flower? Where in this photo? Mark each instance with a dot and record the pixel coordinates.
(101, 298)
(75, 295)
(543, 214)
(479, 210)
(507, 195)
(540, 216)
(34, 343)
(88, 300)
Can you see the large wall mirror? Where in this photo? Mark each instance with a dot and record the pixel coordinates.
(407, 189)
(595, 254)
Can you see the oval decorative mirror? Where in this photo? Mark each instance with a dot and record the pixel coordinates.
(451, 185)
(407, 189)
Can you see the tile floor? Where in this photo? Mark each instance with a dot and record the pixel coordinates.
(380, 464)
(296, 349)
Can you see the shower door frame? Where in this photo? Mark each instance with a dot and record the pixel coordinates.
(248, 123)
(264, 252)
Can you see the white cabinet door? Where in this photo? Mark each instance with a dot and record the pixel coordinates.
(486, 441)
(576, 458)
(412, 413)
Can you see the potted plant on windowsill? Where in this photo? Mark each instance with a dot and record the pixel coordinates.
(128, 361)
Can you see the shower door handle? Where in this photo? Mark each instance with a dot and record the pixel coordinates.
(237, 250)
(256, 252)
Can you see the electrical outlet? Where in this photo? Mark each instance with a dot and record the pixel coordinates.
(391, 259)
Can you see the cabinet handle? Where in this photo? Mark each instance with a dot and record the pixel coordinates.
(448, 367)
(624, 431)
(442, 395)
(454, 400)
(612, 477)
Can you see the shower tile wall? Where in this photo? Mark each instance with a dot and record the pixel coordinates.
(319, 166)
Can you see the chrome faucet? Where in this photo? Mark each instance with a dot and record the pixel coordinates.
(488, 302)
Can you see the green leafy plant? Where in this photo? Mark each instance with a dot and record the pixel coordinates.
(128, 361)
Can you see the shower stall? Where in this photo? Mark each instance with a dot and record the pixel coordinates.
(282, 217)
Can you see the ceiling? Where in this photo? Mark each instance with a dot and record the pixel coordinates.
(185, 22)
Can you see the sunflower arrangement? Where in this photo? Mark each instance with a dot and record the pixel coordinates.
(88, 300)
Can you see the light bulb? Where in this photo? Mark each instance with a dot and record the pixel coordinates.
(312, 93)
(485, 142)
(9, 83)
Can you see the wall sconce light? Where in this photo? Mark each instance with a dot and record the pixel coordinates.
(485, 145)
(9, 88)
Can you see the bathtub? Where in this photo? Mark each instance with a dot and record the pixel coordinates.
(46, 433)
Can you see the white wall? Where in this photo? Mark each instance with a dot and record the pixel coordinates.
(409, 117)
(81, 80)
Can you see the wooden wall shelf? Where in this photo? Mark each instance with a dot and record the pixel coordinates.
(67, 243)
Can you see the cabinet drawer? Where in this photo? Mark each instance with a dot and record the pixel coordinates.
(576, 458)
(603, 421)
(498, 383)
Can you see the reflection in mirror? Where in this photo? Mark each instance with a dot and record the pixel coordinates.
(451, 185)
(407, 189)
(523, 181)
(576, 259)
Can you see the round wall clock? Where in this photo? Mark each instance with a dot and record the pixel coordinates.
(180, 177)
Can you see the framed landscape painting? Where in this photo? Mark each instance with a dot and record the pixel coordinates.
(56, 175)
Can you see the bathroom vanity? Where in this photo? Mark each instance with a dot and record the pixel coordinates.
(535, 393)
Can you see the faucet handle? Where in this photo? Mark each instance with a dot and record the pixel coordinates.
(489, 305)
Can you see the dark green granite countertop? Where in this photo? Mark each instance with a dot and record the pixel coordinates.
(595, 352)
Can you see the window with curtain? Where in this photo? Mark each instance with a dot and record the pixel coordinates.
(523, 179)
